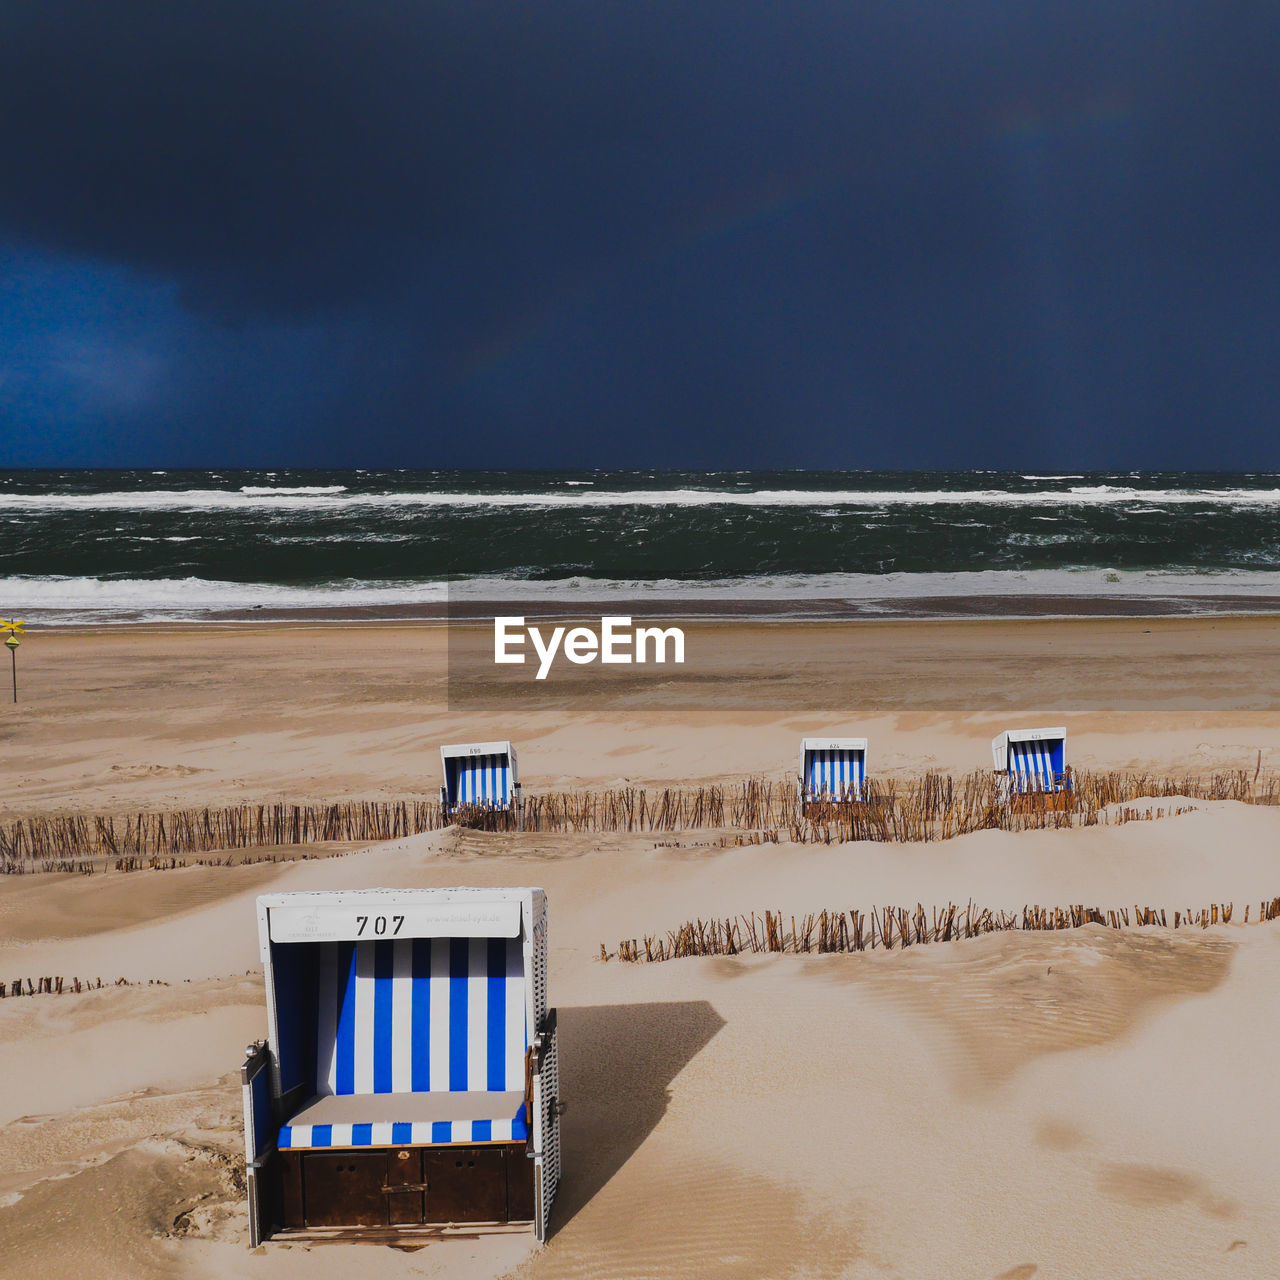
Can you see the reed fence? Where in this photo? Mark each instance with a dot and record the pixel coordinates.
(63, 840)
(135, 862)
(932, 806)
(890, 928)
(56, 986)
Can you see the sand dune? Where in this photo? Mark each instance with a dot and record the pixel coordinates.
(912, 1113)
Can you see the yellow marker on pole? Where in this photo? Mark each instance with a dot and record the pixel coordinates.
(15, 629)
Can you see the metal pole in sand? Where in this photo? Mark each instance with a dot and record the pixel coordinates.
(11, 643)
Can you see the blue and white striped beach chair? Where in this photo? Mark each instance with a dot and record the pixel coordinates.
(481, 775)
(1032, 761)
(832, 769)
(409, 1047)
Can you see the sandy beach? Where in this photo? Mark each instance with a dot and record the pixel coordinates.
(131, 716)
(1091, 1103)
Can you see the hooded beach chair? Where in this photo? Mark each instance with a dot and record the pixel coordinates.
(1032, 761)
(481, 775)
(410, 1076)
(832, 770)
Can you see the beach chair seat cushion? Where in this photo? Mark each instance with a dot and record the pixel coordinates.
(406, 1119)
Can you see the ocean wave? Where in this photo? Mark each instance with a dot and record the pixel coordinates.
(1085, 581)
(54, 600)
(286, 491)
(339, 498)
(157, 599)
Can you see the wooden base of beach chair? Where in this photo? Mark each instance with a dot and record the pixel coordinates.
(1042, 802)
(407, 1239)
(392, 1187)
(481, 818)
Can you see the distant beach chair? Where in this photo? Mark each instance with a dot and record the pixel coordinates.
(410, 1075)
(1032, 763)
(832, 770)
(480, 775)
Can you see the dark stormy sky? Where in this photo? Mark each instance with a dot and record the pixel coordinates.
(879, 233)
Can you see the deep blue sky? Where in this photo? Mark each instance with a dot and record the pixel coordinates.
(884, 233)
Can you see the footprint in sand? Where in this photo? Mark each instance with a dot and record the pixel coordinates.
(1058, 1135)
(1148, 1187)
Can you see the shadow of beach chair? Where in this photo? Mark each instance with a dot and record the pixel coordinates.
(481, 784)
(1030, 766)
(410, 1077)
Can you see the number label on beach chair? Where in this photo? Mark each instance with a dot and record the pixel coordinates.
(318, 922)
(381, 926)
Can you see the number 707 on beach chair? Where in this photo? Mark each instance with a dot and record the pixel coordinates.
(410, 1075)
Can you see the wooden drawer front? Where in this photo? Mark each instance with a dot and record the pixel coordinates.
(344, 1189)
(466, 1184)
(520, 1194)
(404, 1187)
(292, 1213)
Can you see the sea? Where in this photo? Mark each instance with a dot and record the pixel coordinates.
(144, 546)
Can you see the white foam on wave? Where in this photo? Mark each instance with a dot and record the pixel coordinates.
(286, 491)
(53, 601)
(339, 498)
(69, 600)
(856, 587)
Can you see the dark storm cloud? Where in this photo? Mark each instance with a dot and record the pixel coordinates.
(636, 232)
